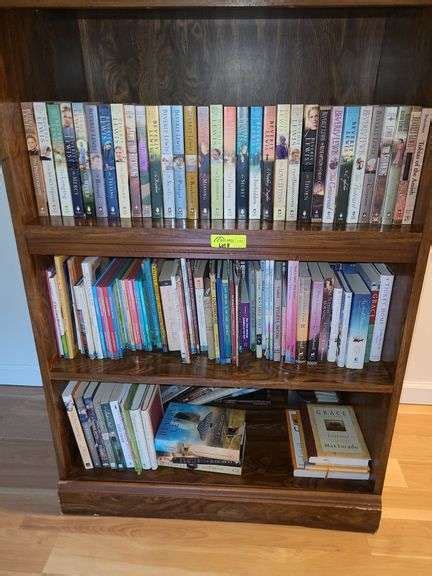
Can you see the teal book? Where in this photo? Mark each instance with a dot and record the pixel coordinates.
(151, 304)
(255, 157)
(144, 324)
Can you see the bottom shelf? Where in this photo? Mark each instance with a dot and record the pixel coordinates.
(266, 491)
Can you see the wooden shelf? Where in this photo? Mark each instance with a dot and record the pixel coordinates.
(138, 239)
(166, 368)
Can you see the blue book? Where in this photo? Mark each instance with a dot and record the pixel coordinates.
(142, 313)
(72, 160)
(242, 166)
(96, 164)
(109, 171)
(255, 157)
(179, 161)
(226, 311)
(359, 321)
(220, 314)
(167, 169)
(151, 305)
(346, 162)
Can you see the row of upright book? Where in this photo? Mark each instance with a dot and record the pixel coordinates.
(307, 163)
(293, 312)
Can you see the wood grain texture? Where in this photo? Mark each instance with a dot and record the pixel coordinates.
(204, 3)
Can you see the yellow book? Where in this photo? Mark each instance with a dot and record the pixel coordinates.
(59, 262)
(190, 137)
(155, 269)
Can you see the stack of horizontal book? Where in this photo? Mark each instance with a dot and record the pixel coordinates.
(326, 442)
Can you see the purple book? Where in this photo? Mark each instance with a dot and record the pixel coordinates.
(244, 317)
(291, 311)
(132, 154)
(315, 312)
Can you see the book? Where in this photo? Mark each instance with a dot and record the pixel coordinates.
(277, 311)
(333, 159)
(304, 294)
(63, 291)
(320, 169)
(201, 431)
(143, 161)
(72, 158)
(344, 321)
(307, 162)
(216, 161)
(281, 162)
(208, 320)
(88, 397)
(100, 397)
(316, 302)
(244, 315)
(132, 156)
(268, 158)
(135, 408)
(120, 155)
(346, 162)
(191, 152)
(168, 298)
(359, 166)
(117, 397)
(167, 158)
(179, 162)
(326, 312)
(386, 280)
(335, 311)
(67, 397)
(154, 153)
(229, 166)
(259, 320)
(192, 464)
(292, 287)
(151, 415)
(92, 266)
(95, 158)
(33, 150)
(84, 420)
(82, 144)
(46, 158)
(359, 321)
(56, 312)
(199, 272)
(255, 158)
(108, 158)
(294, 157)
(214, 314)
(203, 129)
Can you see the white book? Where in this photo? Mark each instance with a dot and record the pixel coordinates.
(90, 268)
(167, 160)
(46, 156)
(76, 425)
(331, 184)
(216, 161)
(180, 307)
(132, 155)
(259, 310)
(119, 393)
(384, 297)
(358, 172)
(151, 399)
(344, 320)
(327, 272)
(296, 133)
(188, 303)
(82, 144)
(417, 164)
(198, 275)
(76, 320)
(56, 311)
(119, 140)
(81, 300)
(138, 427)
(169, 300)
(54, 112)
(281, 162)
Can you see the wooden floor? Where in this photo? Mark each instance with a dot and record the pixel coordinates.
(35, 539)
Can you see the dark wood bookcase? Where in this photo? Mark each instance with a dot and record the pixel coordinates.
(229, 52)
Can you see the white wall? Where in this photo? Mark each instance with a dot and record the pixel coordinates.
(18, 361)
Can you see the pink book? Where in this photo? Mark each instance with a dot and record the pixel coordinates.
(315, 312)
(102, 301)
(230, 162)
(130, 293)
(291, 312)
(132, 156)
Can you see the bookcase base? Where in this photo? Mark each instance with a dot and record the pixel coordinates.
(336, 511)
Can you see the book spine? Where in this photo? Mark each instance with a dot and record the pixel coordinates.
(96, 431)
(64, 189)
(283, 310)
(82, 144)
(105, 436)
(188, 306)
(72, 159)
(143, 161)
(33, 149)
(216, 161)
(294, 156)
(46, 157)
(78, 431)
(333, 156)
(99, 320)
(209, 326)
(125, 412)
(371, 163)
(302, 319)
(191, 152)
(154, 151)
(165, 122)
(310, 129)
(281, 162)
(389, 127)
(385, 292)
(132, 156)
(255, 157)
(109, 168)
(149, 303)
(193, 305)
(213, 300)
(419, 153)
(394, 173)
(291, 313)
(220, 320)
(277, 312)
(157, 295)
(63, 292)
(96, 164)
(244, 326)
(113, 437)
(145, 331)
(252, 300)
(320, 170)
(184, 330)
(358, 329)
(242, 163)
(334, 324)
(358, 172)
(179, 162)
(229, 162)
(270, 310)
(170, 317)
(325, 324)
(349, 137)
(407, 163)
(235, 311)
(88, 433)
(259, 312)
(92, 312)
(199, 298)
(203, 129)
(99, 296)
(269, 135)
(343, 329)
(119, 139)
(226, 313)
(85, 319)
(315, 321)
(121, 434)
(55, 311)
(138, 429)
(372, 318)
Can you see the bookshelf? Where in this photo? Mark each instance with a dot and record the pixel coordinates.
(234, 52)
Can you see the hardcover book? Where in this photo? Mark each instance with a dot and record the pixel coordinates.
(109, 169)
(179, 162)
(333, 158)
(307, 163)
(242, 162)
(320, 169)
(143, 161)
(167, 168)
(154, 152)
(281, 162)
(255, 157)
(203, 120)
(190, 136)
(216, 161)
(229, 162)
(132, 156)
(72, 159)
(294, 156)
(269, 135)
(120, 155)
(82, 145)
(96, 163)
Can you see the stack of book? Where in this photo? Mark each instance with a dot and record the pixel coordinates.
(294, 312)
(341, 165)
(326, 442)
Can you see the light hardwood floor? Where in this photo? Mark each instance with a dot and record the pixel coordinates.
(35, 539)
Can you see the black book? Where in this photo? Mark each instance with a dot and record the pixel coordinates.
(307, 163)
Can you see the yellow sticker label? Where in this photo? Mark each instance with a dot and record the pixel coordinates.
(228, 240)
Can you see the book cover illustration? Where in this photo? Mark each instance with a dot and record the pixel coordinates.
(333, 157)
(216, 161)
(255, 157)
(294, 157)
(179, 162)
(143, 161)
(269, 135)
(191, 159)
(82, 145)
(109, 170)
(203, 119)
(281, 162)
(72, 160)
(96, 164)
(242, 162)
(229, 162)
(307, 163)
(320, 164)
(167, 161)
(154, 151)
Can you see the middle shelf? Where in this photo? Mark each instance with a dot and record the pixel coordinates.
(166, 368)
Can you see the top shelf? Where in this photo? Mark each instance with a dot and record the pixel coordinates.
(149, 4)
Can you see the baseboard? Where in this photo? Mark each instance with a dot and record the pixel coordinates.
(22, 375)
(416, 393)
